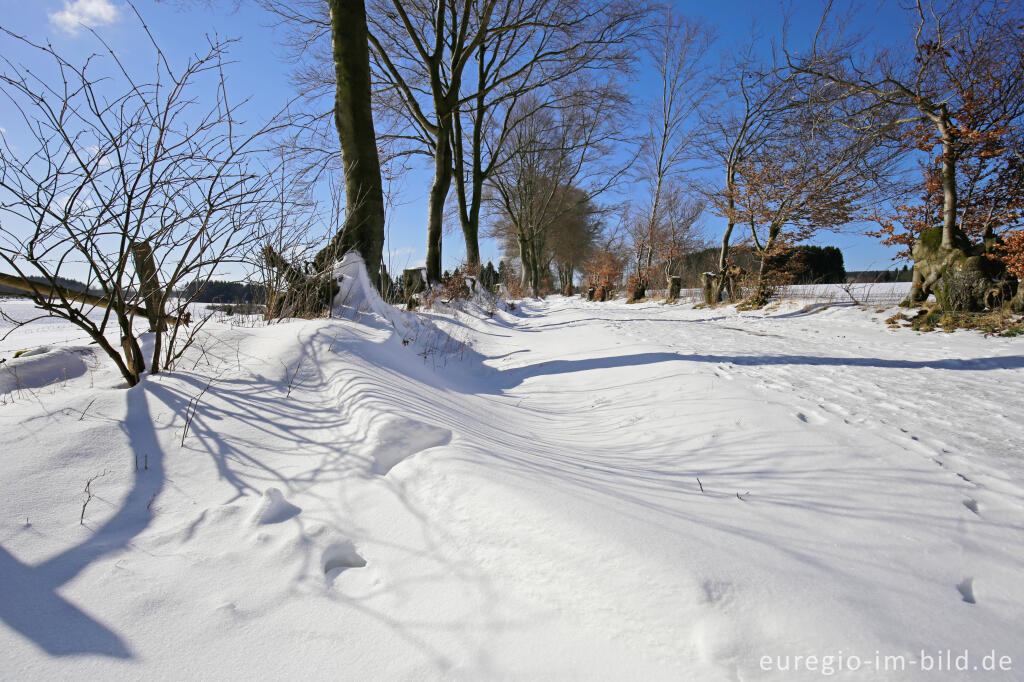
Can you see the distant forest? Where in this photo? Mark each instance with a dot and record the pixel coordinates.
(72, 284)
(211, 292)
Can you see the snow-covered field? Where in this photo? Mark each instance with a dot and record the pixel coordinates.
(571, 491)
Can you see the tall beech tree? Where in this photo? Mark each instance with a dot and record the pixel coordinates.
(363, 229)
(343, 24)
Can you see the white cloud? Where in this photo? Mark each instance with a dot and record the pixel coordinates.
(78, 13)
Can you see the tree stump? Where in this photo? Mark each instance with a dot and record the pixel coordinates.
(412, 284)
(675, 283)
(711, 285)
(639, 292)
(733, 279)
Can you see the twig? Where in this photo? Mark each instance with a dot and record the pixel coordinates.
(88, 493)
(190, 413)
(86, 409)
(292, 379)
(700, 484)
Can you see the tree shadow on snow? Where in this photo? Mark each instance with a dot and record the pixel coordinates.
(30, 601)
(513, 377)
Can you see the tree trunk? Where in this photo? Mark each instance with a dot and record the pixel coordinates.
(438, 193)
(764, 291)
(471, 197)
(715, 283)
(535, 260)
(524, 261)
(723, 255)
(149, 285)
(949, 197)
(364, 198)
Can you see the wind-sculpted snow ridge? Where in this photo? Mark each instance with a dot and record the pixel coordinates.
(358, 299)
(595, 491)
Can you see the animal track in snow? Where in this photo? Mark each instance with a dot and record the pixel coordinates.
(398, 439)
(966, 590)
(972, 504)
(810, 417)
(717, 591)
(340, 556)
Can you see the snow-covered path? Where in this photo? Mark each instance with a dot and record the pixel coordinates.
(585, 491)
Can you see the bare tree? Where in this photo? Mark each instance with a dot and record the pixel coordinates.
(134, 187)
(821, 172)
(677, 50)
(448, 76)
(658, 246)
(747, 111)
(571, 240)
(422, 50)
(558, 159)
(531, 46)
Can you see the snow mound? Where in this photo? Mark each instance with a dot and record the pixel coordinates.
(42, 366)
(397, 439)
(339, 556)
(481, 303)
(274, 508)
(357, 298)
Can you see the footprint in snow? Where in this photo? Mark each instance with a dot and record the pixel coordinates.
(966, 590)
(809, 417)
(399, 439)
(717, 591)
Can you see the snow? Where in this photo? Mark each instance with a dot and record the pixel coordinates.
(36, 367)
(574, 490)
(274, 508)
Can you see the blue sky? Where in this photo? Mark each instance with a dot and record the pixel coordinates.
(260, 72)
